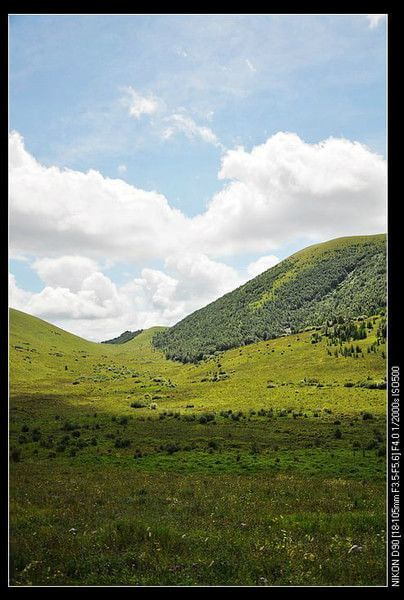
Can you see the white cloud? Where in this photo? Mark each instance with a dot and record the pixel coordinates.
(141, 105)
(374, 20)
(250, 66)
(53, 211)
(179, 123)
(122, 169)
(201, 279)
(18, 298)
(280, 191)
(287, 189)
(88, 303)
(262, 264)
(65, 271)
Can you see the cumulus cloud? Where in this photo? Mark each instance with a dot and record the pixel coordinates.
(65, 271)
(74, 289)
(179, 123)
(279, 191)
(18, 298)
(56, 210)
(80, 297)
(141, 105)
(262, 264)
(286, 189)
(122, 169)
(374, 20)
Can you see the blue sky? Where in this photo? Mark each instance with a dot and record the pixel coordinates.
(205, 85)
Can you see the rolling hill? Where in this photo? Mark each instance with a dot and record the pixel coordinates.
(126, 336)
(341, 278)
(127, 468)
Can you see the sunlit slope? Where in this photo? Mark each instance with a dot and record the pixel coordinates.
(343, 277)
(290, 372)
(44, 354)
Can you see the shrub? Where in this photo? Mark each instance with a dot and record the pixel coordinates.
(338, 434)
(138, 405)
(171, 448)
(367, 416)
(122, 443)
(68, 426)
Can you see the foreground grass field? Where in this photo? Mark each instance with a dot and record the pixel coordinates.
(263, 465)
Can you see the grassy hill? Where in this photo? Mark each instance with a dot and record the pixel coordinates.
(345, 277)
(261, 465)
(126, 336)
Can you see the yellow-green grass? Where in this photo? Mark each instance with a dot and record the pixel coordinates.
(44, 359)
(300, 473)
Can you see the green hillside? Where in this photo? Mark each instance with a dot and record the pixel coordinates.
(345, 278)
(126, 336)
(262, 465)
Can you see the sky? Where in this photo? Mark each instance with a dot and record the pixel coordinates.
(158, 162)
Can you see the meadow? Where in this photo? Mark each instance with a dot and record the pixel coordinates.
(262, 465)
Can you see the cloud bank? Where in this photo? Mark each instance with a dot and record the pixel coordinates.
(280, 191)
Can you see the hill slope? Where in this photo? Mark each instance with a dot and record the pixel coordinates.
(116, 452)
(125, 337)
(345, 277)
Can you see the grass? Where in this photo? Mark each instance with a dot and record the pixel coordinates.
(130, 469)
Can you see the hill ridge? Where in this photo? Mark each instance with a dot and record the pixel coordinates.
(341, 277)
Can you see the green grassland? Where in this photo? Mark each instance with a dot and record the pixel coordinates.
(260, 465)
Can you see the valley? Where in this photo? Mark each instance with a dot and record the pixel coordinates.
(260, 465)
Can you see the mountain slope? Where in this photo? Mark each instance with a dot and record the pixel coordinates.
(345, 277)
(125, 337)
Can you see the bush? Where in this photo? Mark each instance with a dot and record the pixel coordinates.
(171, 448)
(338, 434)
(122, 443)
(36, 434)
(68, 426)
(367, 416)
